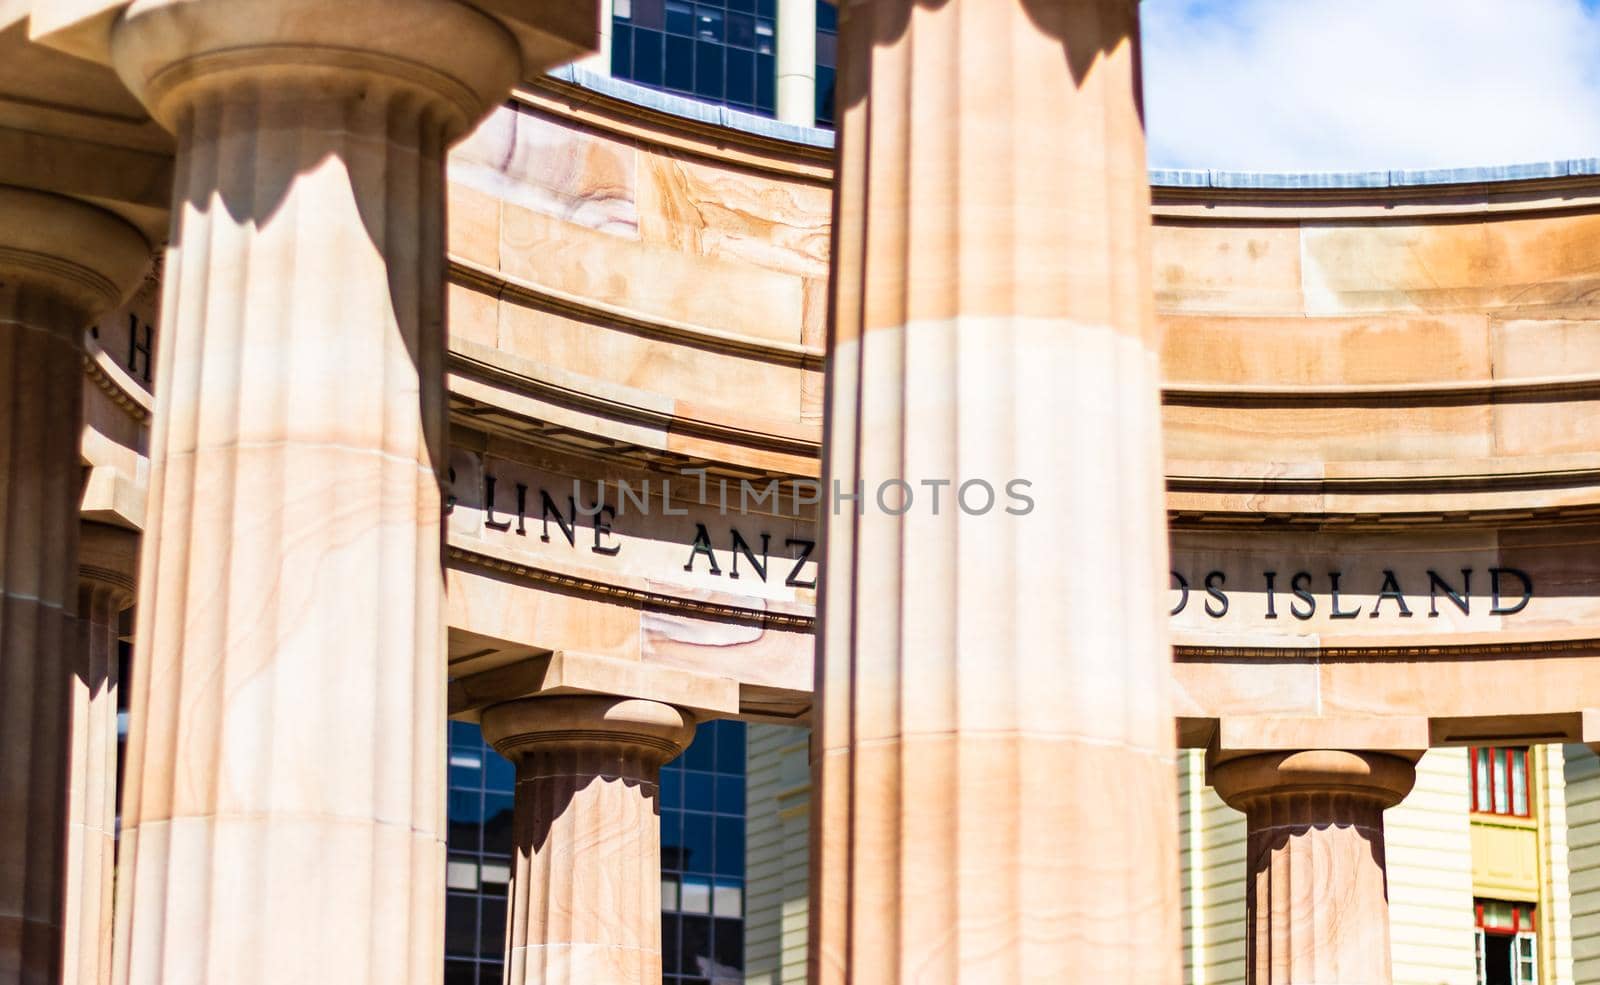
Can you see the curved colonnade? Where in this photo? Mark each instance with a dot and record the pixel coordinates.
(1382, 475)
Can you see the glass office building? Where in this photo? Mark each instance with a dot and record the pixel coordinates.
(702, 807)
(722, 51)
(716, 51)
(702, 859)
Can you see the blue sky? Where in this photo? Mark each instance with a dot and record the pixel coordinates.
(1370, 84)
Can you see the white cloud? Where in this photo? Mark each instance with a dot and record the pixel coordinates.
(1270, 85)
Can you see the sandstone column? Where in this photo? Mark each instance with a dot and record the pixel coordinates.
(586, 889)
(797, 61)
(996, 774)
(1317, 902)
(106, 566)
(62, 264)
(284, 790)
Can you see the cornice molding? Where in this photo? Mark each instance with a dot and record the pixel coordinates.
(656, 601)
(1417, 651)
(627, 413)
(1467, 392)
(466, 273)
(713, 141)
(117, 384)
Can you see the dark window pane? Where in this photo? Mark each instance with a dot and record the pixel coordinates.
(672, 841)
(729, 945)
(498, 773)
(748, 6)
(741, 34)
(621, 50)
(697, 843)
(498, 810)
(708, 23)
(730, 747)
(701, 754)
(730, 846)
(827, 50)
(767, 8)
(730, 794)
(460, 973)
(708, 82)
(669, 942)
(671, 788)
(492, 928)
(461, 925)
(465, 734)
(680, 64)
(766, 39)
(680, 17)
(697, 791)
(466, 815)
(649, 13)
(741, 76)
(491, 974)
(647, 57)
(827, 16)
(695, 957)
(824, 96)
(766, 98)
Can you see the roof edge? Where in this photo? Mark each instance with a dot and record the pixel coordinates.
(1160, 178)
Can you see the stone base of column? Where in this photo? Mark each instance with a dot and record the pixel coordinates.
(1317, 900)
(586, 887)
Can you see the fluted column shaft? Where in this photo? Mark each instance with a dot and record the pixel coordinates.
(105, 589)
(996, 771)
(283, 816)
(586, 888)
(1316, 898)
(62, 263)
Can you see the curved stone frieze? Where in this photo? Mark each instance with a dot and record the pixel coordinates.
(1332, 589)
(1324, 354)
(658, 534)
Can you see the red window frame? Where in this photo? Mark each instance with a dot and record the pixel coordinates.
(1517, 912)
(1505, 756)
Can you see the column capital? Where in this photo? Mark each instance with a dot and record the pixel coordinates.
(108, 562)
(585, 899)
(1316, 903)
(1378, 777)
(446, 52)
(78, 255)
(657, 731)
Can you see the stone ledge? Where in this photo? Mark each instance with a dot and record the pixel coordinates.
(566, 672)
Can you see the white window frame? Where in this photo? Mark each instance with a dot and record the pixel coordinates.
(1531, 959)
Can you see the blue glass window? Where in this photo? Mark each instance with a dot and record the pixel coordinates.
(702, 858)
(478, 866)
(827, 59)
(731, 60)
